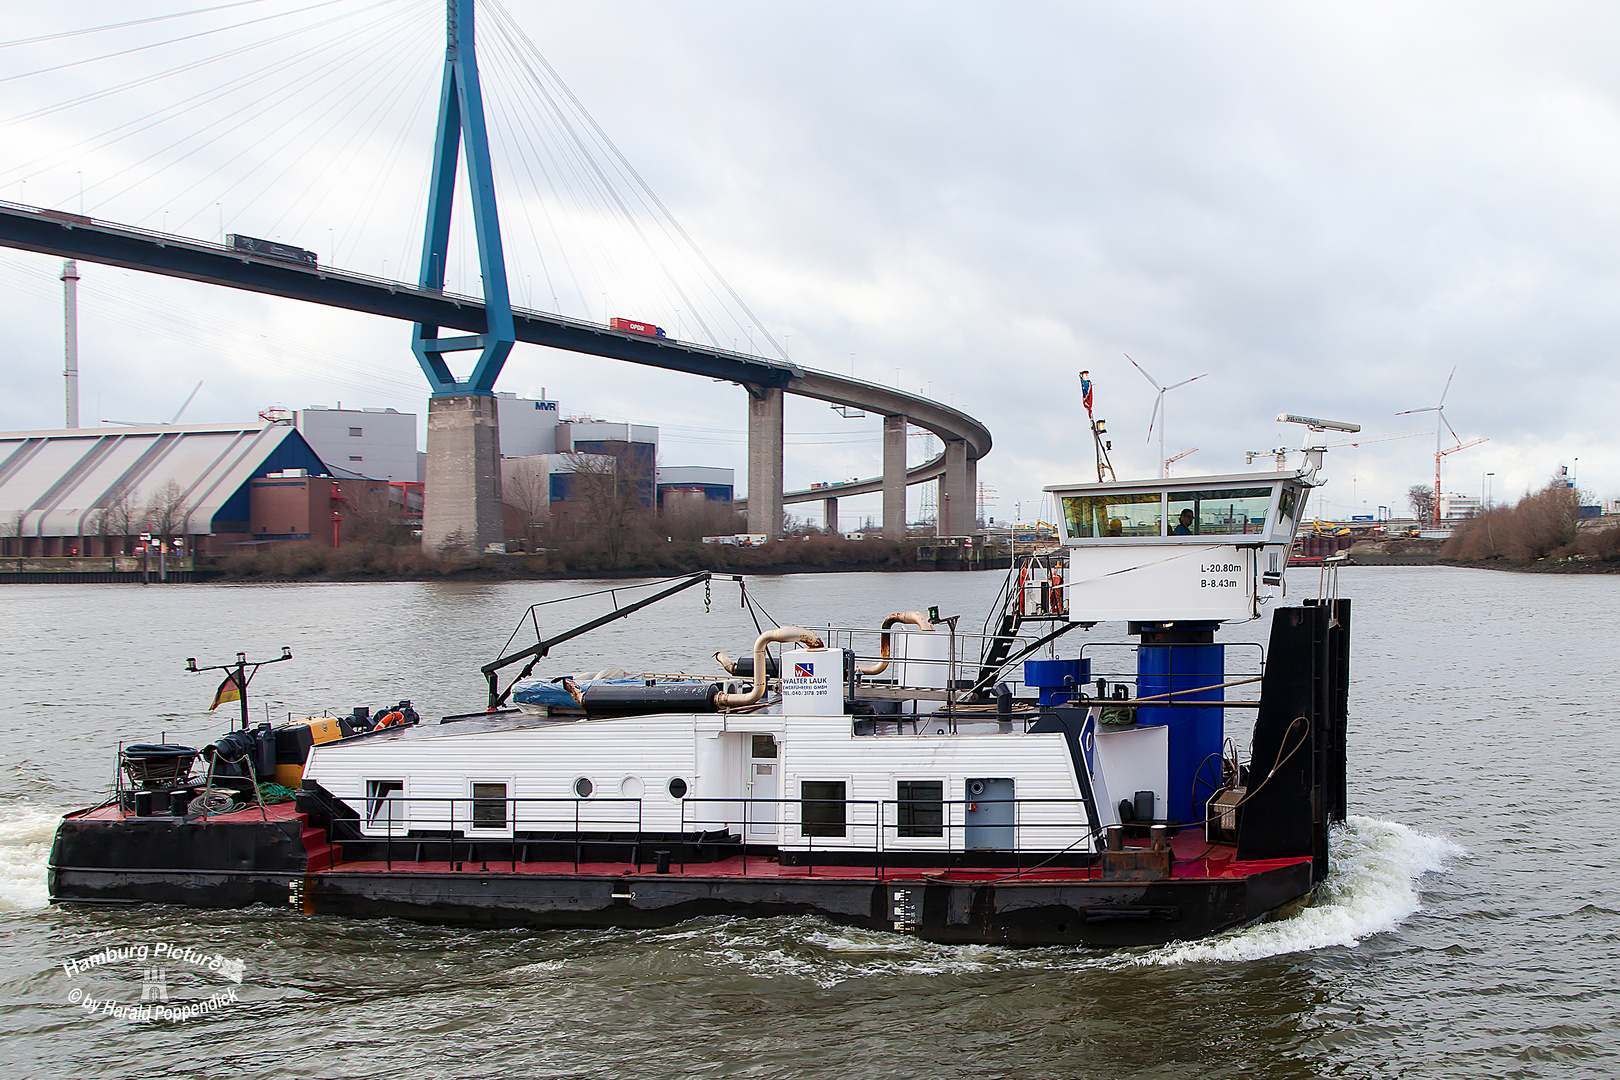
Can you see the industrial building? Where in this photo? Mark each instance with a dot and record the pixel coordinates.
(375, 443)
(87, 491)
(321, 474)
(695, 483)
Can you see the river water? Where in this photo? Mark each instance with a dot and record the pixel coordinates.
(1471, 926)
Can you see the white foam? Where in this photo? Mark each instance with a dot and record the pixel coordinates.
(1370, 889)
(25, 846)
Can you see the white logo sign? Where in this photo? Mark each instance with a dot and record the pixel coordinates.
(176, 982)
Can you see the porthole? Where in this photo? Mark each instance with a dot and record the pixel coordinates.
(630, 787)
(583, 787)
(677, 788)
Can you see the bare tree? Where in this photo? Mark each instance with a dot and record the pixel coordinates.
(527, 488)
(116, 520)
(369, 512)
(1421, 496)
(165, 510)
(13, 531)
(610, 501)
(689, 519)
(454, 545)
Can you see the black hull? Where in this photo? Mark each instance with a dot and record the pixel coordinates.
(1100, 914)
(1014, 913)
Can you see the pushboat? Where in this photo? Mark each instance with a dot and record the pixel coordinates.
(919, 774)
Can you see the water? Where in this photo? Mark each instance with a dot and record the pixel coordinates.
(1471, 927)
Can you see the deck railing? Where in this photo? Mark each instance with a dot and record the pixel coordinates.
(1040, 829)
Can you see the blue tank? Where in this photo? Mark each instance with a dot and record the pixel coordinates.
(1195, 734)
(1057, 681)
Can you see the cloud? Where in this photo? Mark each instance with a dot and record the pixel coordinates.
(1324, 208)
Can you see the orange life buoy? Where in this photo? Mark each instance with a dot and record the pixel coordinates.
(387, 719)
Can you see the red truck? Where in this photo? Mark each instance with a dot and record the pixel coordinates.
(635, 326)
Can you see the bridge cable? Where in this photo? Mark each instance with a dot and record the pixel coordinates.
(127, 25)
(171, 41)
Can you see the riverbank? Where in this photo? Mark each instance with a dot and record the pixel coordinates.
(380, 562)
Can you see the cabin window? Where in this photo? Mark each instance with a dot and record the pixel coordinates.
(1222, 512)
(489, 806)
(1286, 506)
(385, 803)
(677, 788)
(821, 811)
(764, 746)
(583, 788)
(1113, 515)
(920, 807)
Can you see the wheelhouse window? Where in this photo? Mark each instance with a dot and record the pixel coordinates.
(920, 807)
(1221, 512)
(385, 804)
(489, 806)
(821, 811)
(1090, 516)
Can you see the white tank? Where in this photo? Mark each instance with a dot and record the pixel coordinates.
(927, 653)
(812, 682)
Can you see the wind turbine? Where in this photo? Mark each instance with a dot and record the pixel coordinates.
(1442, 425)
(1158, 408)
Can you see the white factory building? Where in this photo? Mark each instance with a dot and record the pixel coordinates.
(379, 444)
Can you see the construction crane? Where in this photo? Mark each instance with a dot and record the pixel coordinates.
(1172, 460)
(1437, 457)
(1280, 453)
(1442, 425)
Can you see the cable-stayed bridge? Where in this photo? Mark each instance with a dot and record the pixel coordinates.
(461, 410)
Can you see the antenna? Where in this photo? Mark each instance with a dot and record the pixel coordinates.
(1158, 407)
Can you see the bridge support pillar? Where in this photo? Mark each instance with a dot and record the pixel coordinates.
(765, 461)
(462, 511)
(894, 477)
(957, 513)
(829, 516)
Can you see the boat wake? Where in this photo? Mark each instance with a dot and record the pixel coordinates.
(1371, 889)
(25, 847)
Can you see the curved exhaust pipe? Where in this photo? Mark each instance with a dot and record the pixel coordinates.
(915, 618)
(755, 693)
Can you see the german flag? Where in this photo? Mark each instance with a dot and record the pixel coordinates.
(228, 691)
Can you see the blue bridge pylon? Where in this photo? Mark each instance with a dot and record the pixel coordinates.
(461, 119)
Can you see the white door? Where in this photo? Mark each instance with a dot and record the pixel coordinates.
(764, 787)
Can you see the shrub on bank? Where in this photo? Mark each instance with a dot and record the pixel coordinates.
(304, 561)
(1542, 525)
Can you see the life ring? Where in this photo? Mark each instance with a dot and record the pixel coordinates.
(1057, 592)
(390, 718)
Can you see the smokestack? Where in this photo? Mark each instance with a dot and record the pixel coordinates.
(70, 297)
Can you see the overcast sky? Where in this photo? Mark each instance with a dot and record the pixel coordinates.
(1325, 208)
